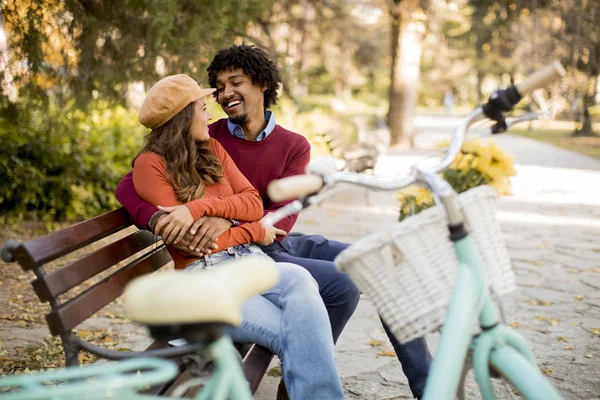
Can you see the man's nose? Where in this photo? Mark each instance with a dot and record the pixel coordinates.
(227, 92)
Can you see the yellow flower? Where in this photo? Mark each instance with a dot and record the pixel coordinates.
(502, 186)
(473, 146)
(484, 161)
(424, 196)
(418, 193)
(475, 165)
(465, 162)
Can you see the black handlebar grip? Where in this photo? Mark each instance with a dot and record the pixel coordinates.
(7, 250)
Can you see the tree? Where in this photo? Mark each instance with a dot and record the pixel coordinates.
(92, 48)
(408, 28)
(579, 34)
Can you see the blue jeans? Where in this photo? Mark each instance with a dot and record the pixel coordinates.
(290, 320)
(340, 295)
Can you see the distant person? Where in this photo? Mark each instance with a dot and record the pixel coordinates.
(449, 101)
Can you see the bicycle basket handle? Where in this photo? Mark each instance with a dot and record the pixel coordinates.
(541, 78)
(294, 187)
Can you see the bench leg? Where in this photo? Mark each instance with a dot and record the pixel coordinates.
(71, 350)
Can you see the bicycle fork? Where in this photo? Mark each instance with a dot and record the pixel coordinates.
(497, 345)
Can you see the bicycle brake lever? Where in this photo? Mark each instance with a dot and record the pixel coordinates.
(528, 117)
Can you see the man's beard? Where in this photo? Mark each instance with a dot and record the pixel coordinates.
(239, 119)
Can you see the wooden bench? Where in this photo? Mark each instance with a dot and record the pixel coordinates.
(144, 254)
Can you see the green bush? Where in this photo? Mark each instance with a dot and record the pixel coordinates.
(60, 163)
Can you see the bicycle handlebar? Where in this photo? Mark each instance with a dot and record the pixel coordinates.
(294, 186)
(541, 78)
(500, 101)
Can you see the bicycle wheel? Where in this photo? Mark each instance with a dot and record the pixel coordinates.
(116, 381)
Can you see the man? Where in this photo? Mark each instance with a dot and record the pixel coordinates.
(247, 82)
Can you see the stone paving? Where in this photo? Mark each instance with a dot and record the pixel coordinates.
(552, 230)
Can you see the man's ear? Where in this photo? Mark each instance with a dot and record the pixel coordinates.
(264, 88)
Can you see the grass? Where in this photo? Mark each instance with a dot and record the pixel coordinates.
(559, 134)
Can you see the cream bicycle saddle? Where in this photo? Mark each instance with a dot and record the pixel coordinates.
(214, 295)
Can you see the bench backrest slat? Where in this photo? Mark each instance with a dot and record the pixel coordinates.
(77, 272)
(37, 252)
(84, 305)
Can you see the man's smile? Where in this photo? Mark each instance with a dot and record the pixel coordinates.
(233, 104)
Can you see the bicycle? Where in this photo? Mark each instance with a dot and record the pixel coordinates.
(165, 313)
(436, 295)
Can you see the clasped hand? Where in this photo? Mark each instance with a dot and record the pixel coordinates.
(200, 237)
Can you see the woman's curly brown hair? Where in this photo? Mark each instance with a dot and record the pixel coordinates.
(190, 164)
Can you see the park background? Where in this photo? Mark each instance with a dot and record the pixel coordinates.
(73, 74)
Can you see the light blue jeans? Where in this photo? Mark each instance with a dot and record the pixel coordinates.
(290, 319)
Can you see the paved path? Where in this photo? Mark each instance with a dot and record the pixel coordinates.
(552, 229)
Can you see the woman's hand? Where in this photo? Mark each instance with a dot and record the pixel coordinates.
(174, 226)
(270, 233)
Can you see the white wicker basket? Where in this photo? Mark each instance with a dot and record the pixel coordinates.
(409, 271)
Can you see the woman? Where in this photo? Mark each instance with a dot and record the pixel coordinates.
(182, 167)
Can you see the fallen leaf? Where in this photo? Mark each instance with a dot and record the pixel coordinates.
(21, 324)
(589, 355)
(541, 318)
(375, 343)
(555, 321)
(562, 339)
(547, 371)
(579, 297)
(514, 324)
(575, 323)
(569, 348)
(573, 271)
(387, 353)
(596, 331)
(275, 371)
(539, 303)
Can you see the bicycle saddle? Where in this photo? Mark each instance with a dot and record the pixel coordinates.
(214, 296)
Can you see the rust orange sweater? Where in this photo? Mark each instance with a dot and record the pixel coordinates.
(234, 197)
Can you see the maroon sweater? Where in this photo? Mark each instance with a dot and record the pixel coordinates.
(283, 153)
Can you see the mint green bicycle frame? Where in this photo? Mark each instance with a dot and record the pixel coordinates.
(498, 345)
(119, 380)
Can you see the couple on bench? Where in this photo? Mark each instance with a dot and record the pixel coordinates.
(203, 189)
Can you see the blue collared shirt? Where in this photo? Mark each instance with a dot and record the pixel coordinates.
(237, 130)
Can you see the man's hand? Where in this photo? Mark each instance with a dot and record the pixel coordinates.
(204, 252)
(270, 233)
(173, 226)
(204, 233)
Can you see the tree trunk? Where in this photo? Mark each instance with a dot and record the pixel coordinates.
(305, 27)
(480, 77)
(407, 40)
(7, 86)
(586, 128)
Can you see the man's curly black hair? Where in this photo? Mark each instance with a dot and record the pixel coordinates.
(254, 62)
